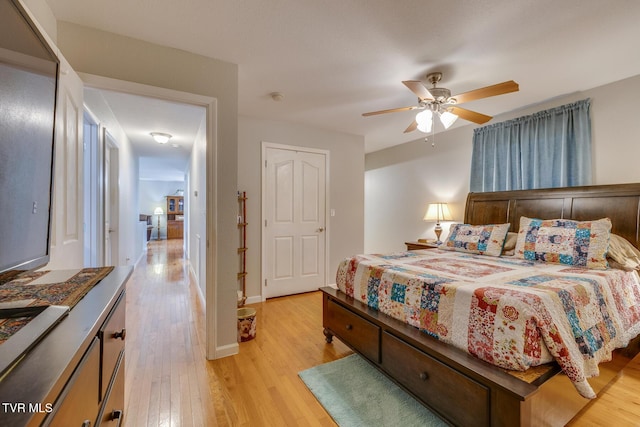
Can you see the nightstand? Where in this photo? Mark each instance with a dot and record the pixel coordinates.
(415, 246)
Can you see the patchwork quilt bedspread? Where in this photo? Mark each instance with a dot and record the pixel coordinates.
(509, 312)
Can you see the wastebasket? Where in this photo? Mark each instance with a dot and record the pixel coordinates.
(246, 324)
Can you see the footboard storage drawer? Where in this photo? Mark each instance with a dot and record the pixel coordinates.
(457, 397)
(358, 332)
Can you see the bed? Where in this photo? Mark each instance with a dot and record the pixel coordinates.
(480, 352)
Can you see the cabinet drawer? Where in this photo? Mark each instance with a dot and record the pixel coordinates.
(79, 400)
(112, 336)
(363, 335)
(459, 398)
(112, 412)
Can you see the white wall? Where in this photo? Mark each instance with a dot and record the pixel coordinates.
(402, 180)
(128, 250)
(41, 10)
(616, 131)
(346, 159)
(196, 209)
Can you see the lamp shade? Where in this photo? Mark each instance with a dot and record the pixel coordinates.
(425, 121)
(437, 212)
(447, 118)
(158, 211)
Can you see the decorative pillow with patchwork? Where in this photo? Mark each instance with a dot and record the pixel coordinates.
(564, 241)
(476, 239)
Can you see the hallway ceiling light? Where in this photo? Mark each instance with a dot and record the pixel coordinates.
(161, 138)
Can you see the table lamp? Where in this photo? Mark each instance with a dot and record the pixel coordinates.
(437, 212)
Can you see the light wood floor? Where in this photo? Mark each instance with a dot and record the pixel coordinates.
(169, 382)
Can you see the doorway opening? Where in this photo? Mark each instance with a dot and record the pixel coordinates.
(199, 181)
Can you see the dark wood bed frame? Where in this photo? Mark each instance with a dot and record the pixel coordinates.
(464, 390)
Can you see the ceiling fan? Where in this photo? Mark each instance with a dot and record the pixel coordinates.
(437, 101)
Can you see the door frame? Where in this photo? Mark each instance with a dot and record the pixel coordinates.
(263, 200)
(92, 139)
(110, 193)
(209, 298)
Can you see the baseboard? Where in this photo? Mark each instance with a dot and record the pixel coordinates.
(227, 350)
(194, 280)
(253, 300)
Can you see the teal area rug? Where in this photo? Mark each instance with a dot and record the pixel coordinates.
(357, 394)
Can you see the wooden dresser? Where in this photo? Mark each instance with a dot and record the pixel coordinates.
(175, 212)
(75, 375)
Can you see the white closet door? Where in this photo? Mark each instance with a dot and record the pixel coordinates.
(294, 227)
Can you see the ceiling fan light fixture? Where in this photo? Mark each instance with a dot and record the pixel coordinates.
(425, 121)
(439, 101)
(161, 138)
(448, 118)
(440, 94)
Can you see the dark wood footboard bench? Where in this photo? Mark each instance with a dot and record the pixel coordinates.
(462, 389)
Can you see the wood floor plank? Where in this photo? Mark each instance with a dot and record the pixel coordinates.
(169, 382)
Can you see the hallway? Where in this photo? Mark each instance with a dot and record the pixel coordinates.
(166, 369)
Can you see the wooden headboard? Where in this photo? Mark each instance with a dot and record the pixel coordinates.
(620, 203)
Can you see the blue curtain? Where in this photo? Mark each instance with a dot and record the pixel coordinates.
(551, 148)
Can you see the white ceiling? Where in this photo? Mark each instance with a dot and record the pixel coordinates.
(334, 60)
(139, 116)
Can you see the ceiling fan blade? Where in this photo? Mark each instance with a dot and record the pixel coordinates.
(413, 126)
(418, 88)
(392, 110)
(486, 92)
(472, 116)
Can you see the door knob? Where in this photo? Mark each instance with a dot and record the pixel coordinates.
(320, 230)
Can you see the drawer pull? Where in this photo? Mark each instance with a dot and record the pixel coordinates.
(349, 327)
(86, 423)
(116, 414)
(122, 334)
(424, 376)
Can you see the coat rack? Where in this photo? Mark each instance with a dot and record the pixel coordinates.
(242, 250)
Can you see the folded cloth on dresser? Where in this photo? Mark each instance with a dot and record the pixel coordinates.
(510, 312)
